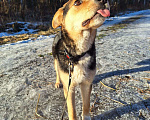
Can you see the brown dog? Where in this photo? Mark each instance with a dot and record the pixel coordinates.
(79, 20)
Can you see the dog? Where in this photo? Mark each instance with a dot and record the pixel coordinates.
(79, 20)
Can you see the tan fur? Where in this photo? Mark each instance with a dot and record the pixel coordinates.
(57, 84)
(83, 38)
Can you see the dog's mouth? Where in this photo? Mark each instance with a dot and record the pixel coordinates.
(104, 13)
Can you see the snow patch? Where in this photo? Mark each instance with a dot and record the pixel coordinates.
(114, 20)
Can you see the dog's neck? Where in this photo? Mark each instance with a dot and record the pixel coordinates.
(79, 42)
(85, 40)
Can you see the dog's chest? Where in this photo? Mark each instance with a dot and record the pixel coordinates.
(81, 70)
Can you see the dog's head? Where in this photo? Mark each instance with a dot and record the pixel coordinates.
(79, 15)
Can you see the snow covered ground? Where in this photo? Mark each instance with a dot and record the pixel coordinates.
(114, 20)
(123, 63)
(23, 30)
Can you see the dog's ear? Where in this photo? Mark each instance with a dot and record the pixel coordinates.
(58, 18)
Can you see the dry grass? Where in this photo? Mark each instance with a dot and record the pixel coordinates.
(147, 78)
(13, 39)
(107, 86)
(37, 115)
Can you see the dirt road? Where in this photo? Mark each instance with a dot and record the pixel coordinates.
(123, 64)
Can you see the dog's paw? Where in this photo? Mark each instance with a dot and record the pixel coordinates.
(86, 117)
(58, 85)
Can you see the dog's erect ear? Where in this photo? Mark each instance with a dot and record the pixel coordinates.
(58, 18)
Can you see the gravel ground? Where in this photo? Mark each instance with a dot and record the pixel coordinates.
(123, 63)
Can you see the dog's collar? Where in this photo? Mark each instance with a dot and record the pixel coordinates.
(72, 58)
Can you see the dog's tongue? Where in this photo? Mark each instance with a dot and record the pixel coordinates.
(104, 13)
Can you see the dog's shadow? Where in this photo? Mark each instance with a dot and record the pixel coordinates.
(118, 112)
(146, 62)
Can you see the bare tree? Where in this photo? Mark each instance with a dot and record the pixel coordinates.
(43, 10)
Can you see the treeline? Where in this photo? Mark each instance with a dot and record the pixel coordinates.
(43, 10)
(124, 5)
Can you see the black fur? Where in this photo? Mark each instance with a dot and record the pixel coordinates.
(92, 53)
(66, 9)
(66, 43)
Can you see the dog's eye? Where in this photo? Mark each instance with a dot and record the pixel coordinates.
(77, 2)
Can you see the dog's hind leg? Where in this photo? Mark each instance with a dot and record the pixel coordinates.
(86, 88)
(57, 84)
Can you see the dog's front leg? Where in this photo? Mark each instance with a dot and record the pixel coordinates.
(70, 102)
(86, 88)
